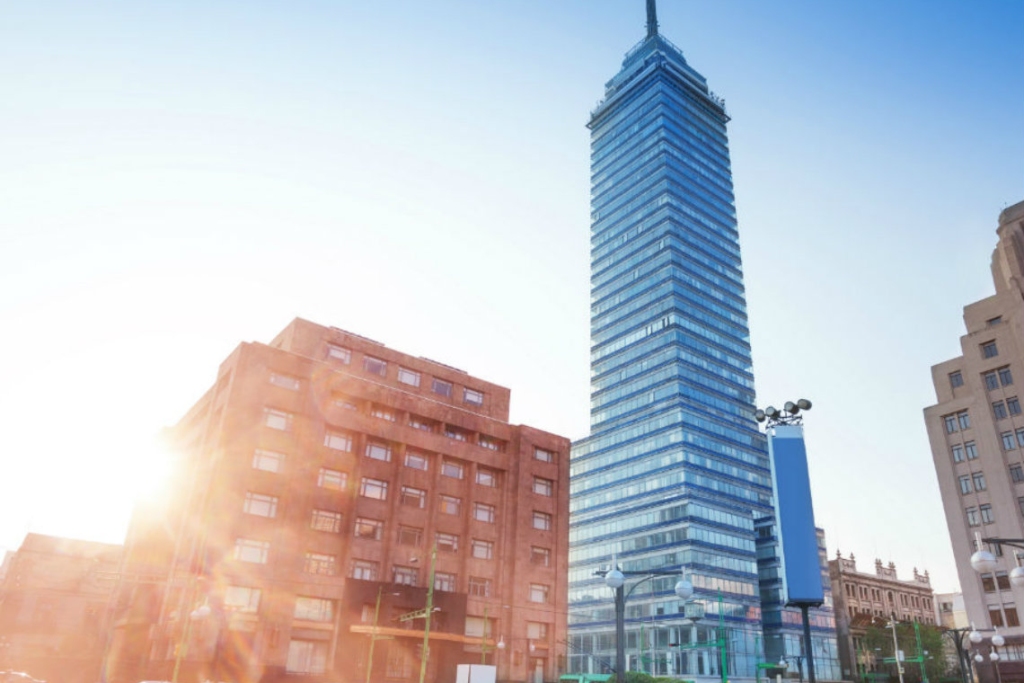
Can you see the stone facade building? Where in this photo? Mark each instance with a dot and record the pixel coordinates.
(863, 599)
(325, 480)
(976, 432)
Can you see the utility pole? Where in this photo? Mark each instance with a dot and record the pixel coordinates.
(895, 648)
(430, 611)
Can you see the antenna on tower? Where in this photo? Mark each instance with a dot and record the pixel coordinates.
(652, 18)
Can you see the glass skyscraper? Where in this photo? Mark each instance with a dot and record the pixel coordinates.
(675, 471)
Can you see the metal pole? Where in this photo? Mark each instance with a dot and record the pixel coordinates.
(620, 635)
(373, 636)
(896, 649)
(430, 609)
(483, 641)
(808, 648)
(722, 654)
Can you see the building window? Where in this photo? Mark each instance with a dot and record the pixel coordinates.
(398, 664)
(339, 353)
(318, 563)
(543, 487)
(452, 469)
(999, 410)
(422, 423)
(950, 422)
(964, 419)
(365, 570)
(995, 615)
(536, 630)
(406, 576)
(483, 512)
(979, 481)
(1012, 617)
(479, 587)
(1009, 441)
(473, 398)
(372, 529)
(543, 455)
(988, 583)
(986, 514)
(1016, 473)
(451, 505)
(486, 477)
(413, 497)
(373, 488)
(965, 484)
(307, 657)
(1002, 581)
(448, 543)
(408, 535)
(455, 433)
(345, 402)
(242, 599)
(971, 450)
(332, 480)
(972, 517)
(277, 419)
(482, 550)
(268, 461)
(538, 592)
(248, 550)
(541, 556)
(1005, 376)
(956, 379)
(313, 609)
(958, 453)
(383, 413)
(378, 451)
(441, 388)
(989, 350)
(416, 460)
(491, 444)
(284, 381)
(444, 582)
(541, 520)
(260, 505)
(991, 380)
(1013, 405)
(375, 366)
(325, 520)
(407, 376)
(338, 441)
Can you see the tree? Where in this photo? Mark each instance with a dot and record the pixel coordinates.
(877, 642)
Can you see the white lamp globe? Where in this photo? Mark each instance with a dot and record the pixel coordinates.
(984, 562)
(998, 640)
(1017, 576)
(978, 658)
(201, 612)
(614, 579)
(975, 637)
(994, 656)
(684, 589)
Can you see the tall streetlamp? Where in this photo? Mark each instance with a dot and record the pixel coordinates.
(963, 656)
(984, 562)
(615, 579)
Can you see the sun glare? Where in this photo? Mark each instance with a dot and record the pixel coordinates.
(151, 472)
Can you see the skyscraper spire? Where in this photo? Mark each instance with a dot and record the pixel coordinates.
(652, 18)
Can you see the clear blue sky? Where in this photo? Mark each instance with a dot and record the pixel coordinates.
(178, 177)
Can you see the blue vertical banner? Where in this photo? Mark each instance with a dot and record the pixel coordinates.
(794, 516)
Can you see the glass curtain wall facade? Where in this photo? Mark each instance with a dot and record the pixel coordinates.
(675, 470)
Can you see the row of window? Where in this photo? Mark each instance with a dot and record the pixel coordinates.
(924, 619)
(1001, 410)
(992, 379)
(875, 594)
(377, 489)
(972, 482)
(413, 378)
(956, 421)
(338, 440)
(980, 515)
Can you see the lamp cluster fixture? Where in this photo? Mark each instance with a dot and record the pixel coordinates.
(790, 413)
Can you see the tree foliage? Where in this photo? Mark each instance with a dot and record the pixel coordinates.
(877, 645)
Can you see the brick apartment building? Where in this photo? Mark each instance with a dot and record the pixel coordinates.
(54, 600)
(317, 475)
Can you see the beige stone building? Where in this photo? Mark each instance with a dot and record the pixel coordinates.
(862, 599)
(976, 431)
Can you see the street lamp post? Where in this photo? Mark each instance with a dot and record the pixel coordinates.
(963, 657)
(615, 579)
